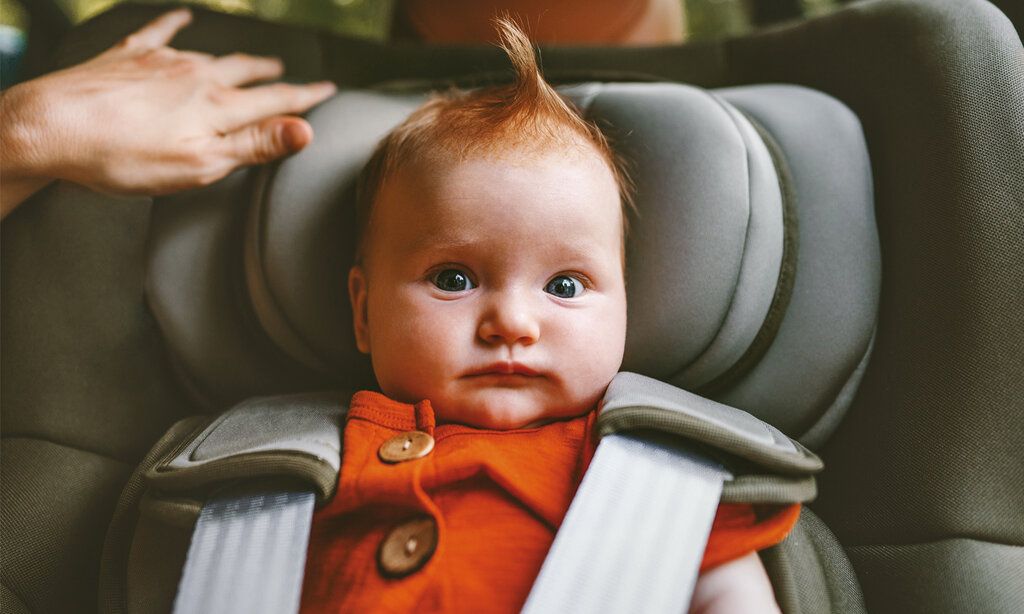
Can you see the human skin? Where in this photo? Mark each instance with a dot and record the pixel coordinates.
(741, 585)
(143, 118)
(511, 225)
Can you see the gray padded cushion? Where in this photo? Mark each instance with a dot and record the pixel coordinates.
(292, 437)
(810, 571)
(295, 424)
(54, 507)
(299, 246)
(719, 204)
(706, 248)
(667, 405)
(829, 322)
(957, 574)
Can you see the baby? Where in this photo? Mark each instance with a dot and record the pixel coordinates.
(489, 292)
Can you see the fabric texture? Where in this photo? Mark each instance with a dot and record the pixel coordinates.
(949, 575)
(498, 497)
(54, 506)
(810, 571)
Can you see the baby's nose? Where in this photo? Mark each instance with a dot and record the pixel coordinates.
(509, 321)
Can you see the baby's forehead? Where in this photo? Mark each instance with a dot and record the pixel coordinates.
(547, 198)
(562, 187)
(522, 152)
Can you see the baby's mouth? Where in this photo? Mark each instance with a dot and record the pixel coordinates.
(507, 368)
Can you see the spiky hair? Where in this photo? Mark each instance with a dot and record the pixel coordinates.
(526, 116)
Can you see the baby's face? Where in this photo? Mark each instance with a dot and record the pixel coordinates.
(494, 288)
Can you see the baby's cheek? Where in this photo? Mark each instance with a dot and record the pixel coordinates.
(600, 357)
(605, 336)
(405, 373)
(427, 367)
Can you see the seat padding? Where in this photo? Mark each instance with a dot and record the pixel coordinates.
(948, 575)
(752, 265)
(54, 506)
(810, 571)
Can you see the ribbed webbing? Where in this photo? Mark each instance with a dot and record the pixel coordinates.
(634, 536)
(248, 554)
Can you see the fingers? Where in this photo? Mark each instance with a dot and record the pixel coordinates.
(158, 32)
(246, 106)
(241, 68)
(267, 140)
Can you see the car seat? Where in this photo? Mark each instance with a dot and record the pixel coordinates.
(733, 278)
(923, 480)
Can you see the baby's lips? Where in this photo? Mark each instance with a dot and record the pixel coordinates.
(505, 368)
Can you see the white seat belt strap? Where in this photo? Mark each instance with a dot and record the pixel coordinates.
(634, 536)
(248, 554)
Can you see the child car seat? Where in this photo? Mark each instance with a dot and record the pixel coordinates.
(737, 287)
(923, 486)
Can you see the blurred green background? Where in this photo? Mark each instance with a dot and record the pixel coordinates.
(359, 18)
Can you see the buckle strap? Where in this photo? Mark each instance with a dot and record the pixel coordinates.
(248, 554)
(635, 534)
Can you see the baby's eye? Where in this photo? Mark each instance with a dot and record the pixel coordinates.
(452, 280)
(564, 286)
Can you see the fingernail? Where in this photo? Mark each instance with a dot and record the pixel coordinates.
(327, 87)
(293, 136)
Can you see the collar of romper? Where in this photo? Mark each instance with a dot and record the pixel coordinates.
(539, 466)
(384, 411)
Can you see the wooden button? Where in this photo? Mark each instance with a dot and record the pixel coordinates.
(405, 447)
(407, 547)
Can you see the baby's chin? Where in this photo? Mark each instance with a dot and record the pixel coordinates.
(502, 411)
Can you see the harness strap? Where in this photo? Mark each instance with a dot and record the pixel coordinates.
(634, 536)
(632, 539)
(247, 555)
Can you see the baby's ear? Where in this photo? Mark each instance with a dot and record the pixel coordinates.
(357, 295)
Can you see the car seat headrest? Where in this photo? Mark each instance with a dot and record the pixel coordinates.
(752, 268)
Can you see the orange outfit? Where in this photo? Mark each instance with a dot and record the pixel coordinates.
(497, 498)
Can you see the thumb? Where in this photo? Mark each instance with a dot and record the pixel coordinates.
(268, 140)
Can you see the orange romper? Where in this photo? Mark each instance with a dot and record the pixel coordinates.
(496, 498)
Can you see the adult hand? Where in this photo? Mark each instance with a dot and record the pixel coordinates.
(142, 118)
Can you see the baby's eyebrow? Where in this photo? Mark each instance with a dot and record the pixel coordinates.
(430, 242)
(570, 256)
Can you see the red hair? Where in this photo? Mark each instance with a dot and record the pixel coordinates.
(526, 115)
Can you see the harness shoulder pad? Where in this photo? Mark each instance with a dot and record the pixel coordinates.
(766, 465)
(290, 438)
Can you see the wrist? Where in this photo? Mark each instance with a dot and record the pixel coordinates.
(25, 165)
(24, 135)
